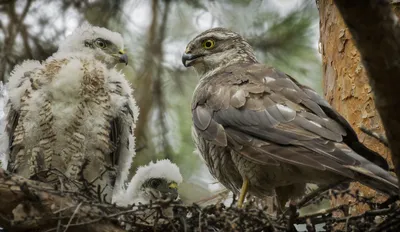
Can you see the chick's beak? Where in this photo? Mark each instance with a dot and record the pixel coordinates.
(123, 58)
(188, 59)
(172, 194)
(169, 192)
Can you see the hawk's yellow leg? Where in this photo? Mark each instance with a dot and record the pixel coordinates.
(243, 191)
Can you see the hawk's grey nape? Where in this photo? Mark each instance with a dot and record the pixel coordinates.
(260, 131)
(73, 115)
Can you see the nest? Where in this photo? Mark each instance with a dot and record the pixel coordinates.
(29, 205)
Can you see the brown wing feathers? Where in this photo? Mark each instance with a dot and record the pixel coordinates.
(252, 113)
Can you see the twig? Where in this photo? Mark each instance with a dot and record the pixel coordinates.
(233, 200)
(315, 194)
(292, 217)
(303, 218)
(72, 217)
(60, 212)
(200, 229)
(309, 225)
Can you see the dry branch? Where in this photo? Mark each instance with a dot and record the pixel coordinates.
(27, 204)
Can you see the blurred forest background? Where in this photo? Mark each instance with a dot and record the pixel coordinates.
(283, 32)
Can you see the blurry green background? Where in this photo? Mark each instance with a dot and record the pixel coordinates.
(284, 34)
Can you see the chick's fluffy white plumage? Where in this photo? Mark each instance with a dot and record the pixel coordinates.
(73, 112)
(134, 193)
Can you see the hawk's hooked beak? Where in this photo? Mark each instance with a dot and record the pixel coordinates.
(123, 58)
(169, 192)
(188, 59)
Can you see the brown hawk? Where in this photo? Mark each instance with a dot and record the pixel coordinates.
(261, 131)
(73, 114)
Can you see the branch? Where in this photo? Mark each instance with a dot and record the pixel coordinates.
(27, 204)
(315, 194)
(376, 32)
(13, 30)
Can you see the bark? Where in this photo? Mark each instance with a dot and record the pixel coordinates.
(376, 32)
(27, 205)
(346, 84)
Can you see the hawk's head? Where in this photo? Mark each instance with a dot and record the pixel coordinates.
(105, 45)
(216, 48)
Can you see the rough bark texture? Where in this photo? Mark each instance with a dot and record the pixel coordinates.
(376, 32)
(346, 84)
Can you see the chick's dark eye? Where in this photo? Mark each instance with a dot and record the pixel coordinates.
(100, 43)
(154, 183)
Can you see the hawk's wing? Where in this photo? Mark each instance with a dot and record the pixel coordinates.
(264, 115)
(122, 128)
(351, 138)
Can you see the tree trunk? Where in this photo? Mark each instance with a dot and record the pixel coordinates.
(346, 85)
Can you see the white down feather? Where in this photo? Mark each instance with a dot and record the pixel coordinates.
(160, 169)
(64, 86)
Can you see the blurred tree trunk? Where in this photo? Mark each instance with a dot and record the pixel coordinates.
(144, 85)
(346, 85)
(149, 91)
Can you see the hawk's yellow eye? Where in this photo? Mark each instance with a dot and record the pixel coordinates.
(208, 44)
(100, 43)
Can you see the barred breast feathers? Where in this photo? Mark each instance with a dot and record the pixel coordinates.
(59, 80)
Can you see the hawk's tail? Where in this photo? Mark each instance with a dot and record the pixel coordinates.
(375, 177)
(369, 154)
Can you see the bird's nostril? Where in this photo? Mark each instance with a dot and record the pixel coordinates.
(188, 51)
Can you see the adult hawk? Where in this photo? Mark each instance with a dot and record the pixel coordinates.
(73, 114)
(261, 131)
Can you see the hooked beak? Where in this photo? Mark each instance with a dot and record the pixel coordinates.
(170, 195)
(123, 58)
(188, 59)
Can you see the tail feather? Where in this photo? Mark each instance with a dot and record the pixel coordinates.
(376, 178)
(369, 154)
